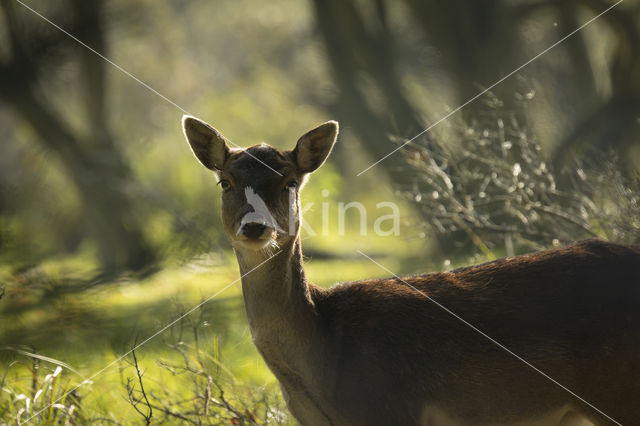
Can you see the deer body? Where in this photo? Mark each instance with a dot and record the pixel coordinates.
(378, 352)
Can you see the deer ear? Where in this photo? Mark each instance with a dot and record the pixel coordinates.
(314, 147)
(208, 144)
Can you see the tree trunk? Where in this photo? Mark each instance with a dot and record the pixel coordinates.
(93, 163)
(100, 178)
(353, 52)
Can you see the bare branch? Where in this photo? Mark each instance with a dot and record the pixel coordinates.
(130, 388)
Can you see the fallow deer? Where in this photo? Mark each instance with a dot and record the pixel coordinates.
(381, 352)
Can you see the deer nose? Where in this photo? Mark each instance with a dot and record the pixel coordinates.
(253, 230)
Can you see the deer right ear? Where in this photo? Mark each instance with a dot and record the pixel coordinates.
(208, 144)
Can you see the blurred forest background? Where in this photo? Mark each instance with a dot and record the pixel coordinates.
(109, 229)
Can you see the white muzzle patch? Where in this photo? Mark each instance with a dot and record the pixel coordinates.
(260, 213)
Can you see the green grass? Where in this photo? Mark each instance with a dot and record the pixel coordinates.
(51, 310)
(54, 310)
(90, 328)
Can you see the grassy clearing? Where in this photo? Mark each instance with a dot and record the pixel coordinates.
(50, 311)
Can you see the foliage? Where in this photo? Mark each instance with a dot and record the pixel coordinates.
(492, 183)
(271, 71)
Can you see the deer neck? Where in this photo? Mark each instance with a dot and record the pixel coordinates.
(280, 310)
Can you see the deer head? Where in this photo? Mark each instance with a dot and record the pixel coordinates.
(260, 184)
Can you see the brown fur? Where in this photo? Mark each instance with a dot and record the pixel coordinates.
(571, 312)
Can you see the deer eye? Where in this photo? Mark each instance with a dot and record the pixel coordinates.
(291, 185)
(224, 184)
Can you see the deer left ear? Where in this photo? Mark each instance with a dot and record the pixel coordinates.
(314, 147)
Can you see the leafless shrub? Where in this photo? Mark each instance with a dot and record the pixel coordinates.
(215, 396)
(491, 185)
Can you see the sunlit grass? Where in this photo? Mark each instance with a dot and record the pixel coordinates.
(90, 327)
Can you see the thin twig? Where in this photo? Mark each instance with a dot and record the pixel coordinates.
(149, 415)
